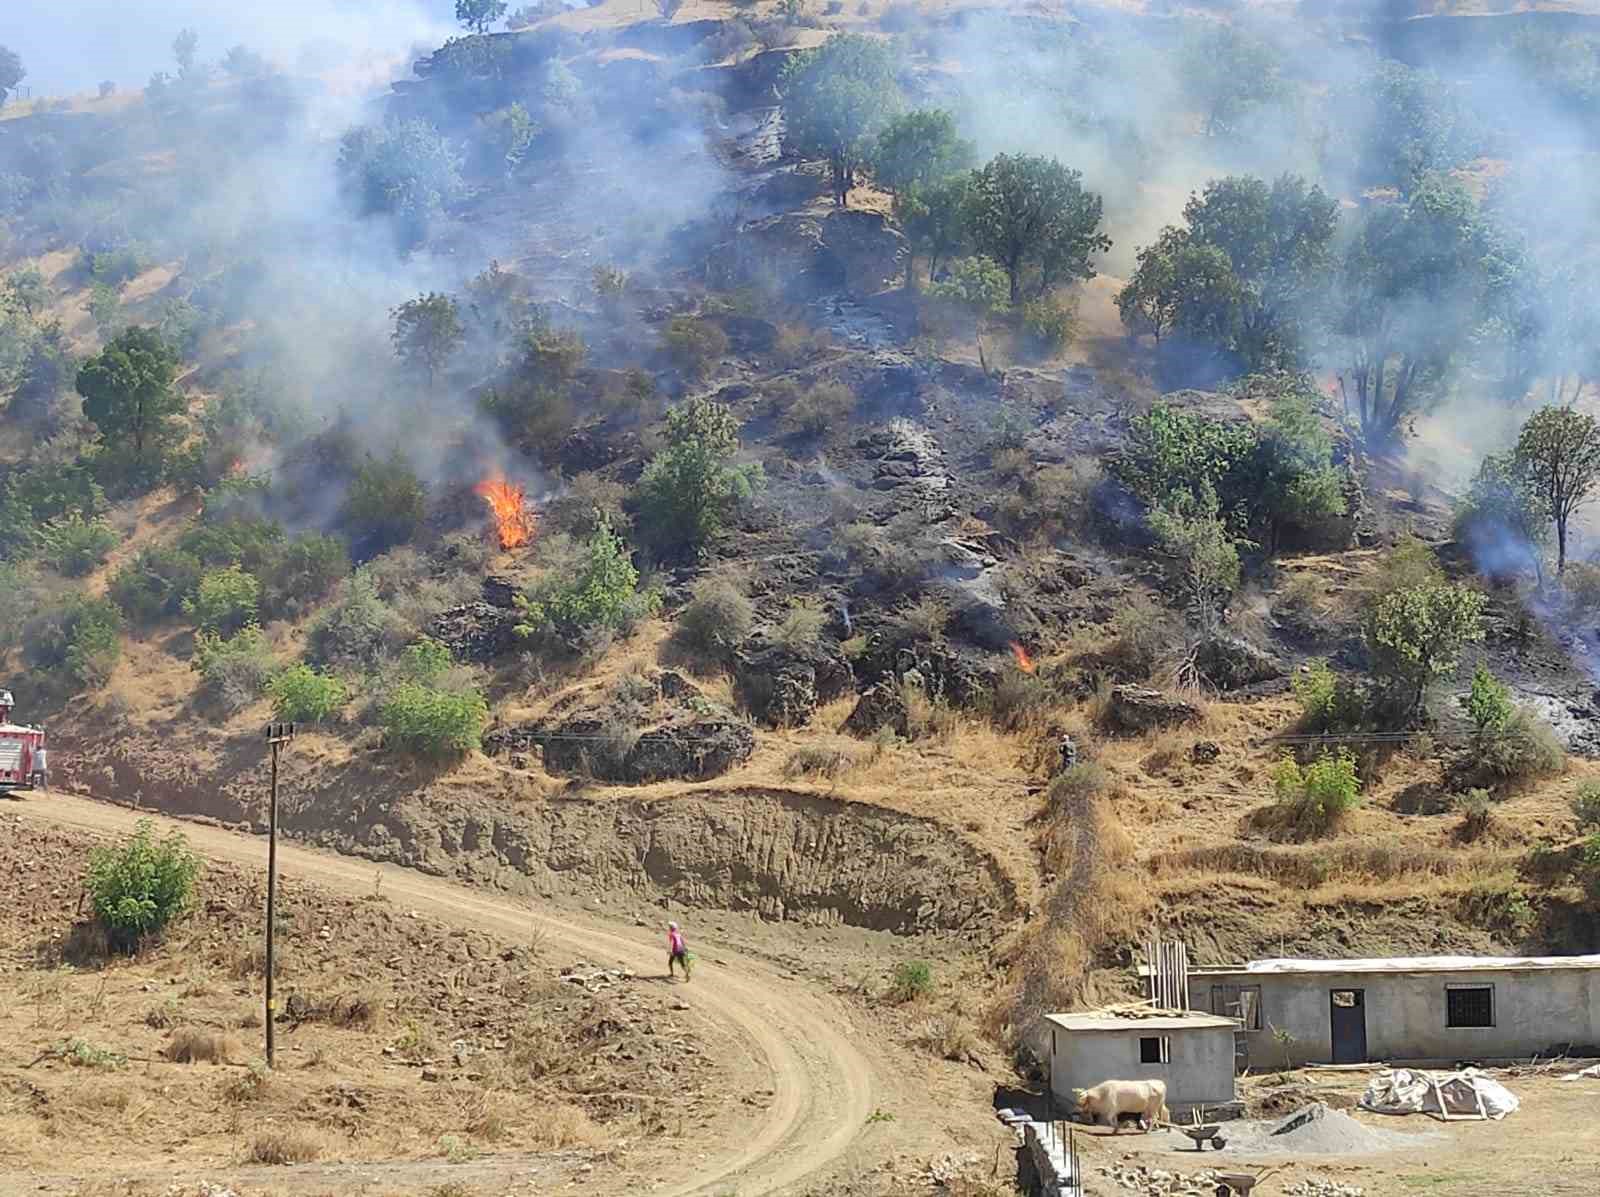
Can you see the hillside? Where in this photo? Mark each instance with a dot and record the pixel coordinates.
(893, 484)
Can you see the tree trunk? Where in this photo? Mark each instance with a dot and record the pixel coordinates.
(1561, 545)
(911, 270)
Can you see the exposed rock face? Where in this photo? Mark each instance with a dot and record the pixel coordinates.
(881, 705)
(845, 250)
(782, 685)
(1230, 663)
(1137, 709)
(476, 633)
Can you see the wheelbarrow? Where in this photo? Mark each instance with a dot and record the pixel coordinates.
(1239, 1184)
(1201, 1135)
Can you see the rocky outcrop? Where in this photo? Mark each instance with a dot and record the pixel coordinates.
(1229, 663)
(1137, 709)
(782, 685)
(846, 250)
(881, 705)
(475, 633)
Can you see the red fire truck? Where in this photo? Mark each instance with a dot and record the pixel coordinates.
(22, 755)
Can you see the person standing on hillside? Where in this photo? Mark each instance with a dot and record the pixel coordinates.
(677, 951)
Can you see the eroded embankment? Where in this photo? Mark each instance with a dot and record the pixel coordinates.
(784, 854)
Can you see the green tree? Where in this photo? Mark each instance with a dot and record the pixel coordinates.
(1489, 704)
(835, 98)
(1558, 452)
(404, 168)
(386, 502)
(1182, 285)
(976, 287)
(1396, 125)
(1203, 559)
(139, 886)
(690, 488)
(1409, 292)
(1033, 216)
(915, 155)
(478, 15)
(934, 220)
(1297, 482)
(12, 72)
(184, 47)
(1415, 635)
(427, 332)
(1503, 520)
(127, 387)
(1227, 73)
(224, 601)
(26, 291)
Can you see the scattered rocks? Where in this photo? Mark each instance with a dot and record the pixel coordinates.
(1230, 663)
(881, 705)
(475, 633)
(1205, 752)
(1137, 709)
(1318, 1186)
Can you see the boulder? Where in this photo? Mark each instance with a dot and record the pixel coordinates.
(782, 685)
(881, 705)
(476, 633)
(1229, 663)
(689, 749)
(1204, 752)
(1137, 709)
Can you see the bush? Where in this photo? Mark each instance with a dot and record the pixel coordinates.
(357, 629)
(425, 662)
(74, 545)
(1581, 584)
(433, 723)
(588, 501)
(1586, 805)
(826, 405)
(694, 345)
(139, 886)
(602, 593)
(1523, 749)
(234, 671)
(155, 582)
(688, 490)
(1076, 785)
(802, 625)
(1049, 323)
(309, 567)
(1321, 793)
(1141, 632)
(1477, 809)
(82, 636)
(1416, 633)
(1202, 560)
(1489, 704)
(1328, 702)
(912, 979)
(385, 503)
(717, 618)
(225, 601)
(302, 695)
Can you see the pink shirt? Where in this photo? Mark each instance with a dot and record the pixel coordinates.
(674, 940)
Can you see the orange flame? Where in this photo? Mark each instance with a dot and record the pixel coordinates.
(1024, 661)
(508, 504)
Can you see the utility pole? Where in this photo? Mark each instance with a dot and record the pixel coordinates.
(278, 734)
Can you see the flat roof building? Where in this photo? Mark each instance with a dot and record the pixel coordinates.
(1192, 1053)
(1412, 1009)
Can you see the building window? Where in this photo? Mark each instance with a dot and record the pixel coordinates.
(1469, 1005)
(1155, 1049)
(1238, 1001)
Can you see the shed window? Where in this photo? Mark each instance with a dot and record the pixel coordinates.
(1155, 1049)
(1469, 1005)
(1238, 1001)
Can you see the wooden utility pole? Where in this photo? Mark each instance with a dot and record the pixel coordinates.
(278, 734)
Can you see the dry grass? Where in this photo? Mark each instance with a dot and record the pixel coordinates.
(287, 1145)
(195, 1045)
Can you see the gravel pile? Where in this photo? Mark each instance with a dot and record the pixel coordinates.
(1318, 1186)
(1314, 1130)
(1157, 1182)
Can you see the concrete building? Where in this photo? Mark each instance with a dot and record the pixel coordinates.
(1192, 1053)
(1431, 1010)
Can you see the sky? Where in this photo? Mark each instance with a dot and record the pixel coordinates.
(72, 45)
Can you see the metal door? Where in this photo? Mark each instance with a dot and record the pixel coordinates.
(1347, 1021)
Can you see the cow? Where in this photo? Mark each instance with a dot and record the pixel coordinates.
(1109, 1101)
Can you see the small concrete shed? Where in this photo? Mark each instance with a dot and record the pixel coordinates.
(1192, 1053)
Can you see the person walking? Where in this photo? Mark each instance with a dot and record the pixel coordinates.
(677, 951)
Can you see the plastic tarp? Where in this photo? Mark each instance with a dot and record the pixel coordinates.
(1447, 1096)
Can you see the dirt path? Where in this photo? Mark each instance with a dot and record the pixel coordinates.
(822, 1085)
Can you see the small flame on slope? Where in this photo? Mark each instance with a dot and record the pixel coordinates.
(1024, 661)
(508, 504)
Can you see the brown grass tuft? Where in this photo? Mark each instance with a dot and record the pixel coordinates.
(290, 1145)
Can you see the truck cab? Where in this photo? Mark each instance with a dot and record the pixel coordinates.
(23, 762)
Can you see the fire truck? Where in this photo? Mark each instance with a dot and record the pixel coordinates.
(22, 756)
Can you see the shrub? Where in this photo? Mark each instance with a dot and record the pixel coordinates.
(609, 283)
(139, 886)
(155, 582)
(309, 567)
(1523, 749)
(1328, 702)
(688, 491)
(385, 503)
(694, 345)
(1489, 704)
(717, 617)
(802, 624)
(826, 405)
(1140, 633)
(1202, 560)
(287, 1146)
(912, 979)
(587, 502)
(1076, 785)
(433, 723)
(225, 601)
(302, 695)
(1049, 323)
(922, 620)
(82, 636)
(235, 671)
(603, 592)
(357, 629)
(1581, 584)
(74, 545)
(425, 661)
(1477, 809)
(1321, 793)
(1586, 805)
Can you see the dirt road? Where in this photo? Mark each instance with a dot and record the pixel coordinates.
(823, 1087)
